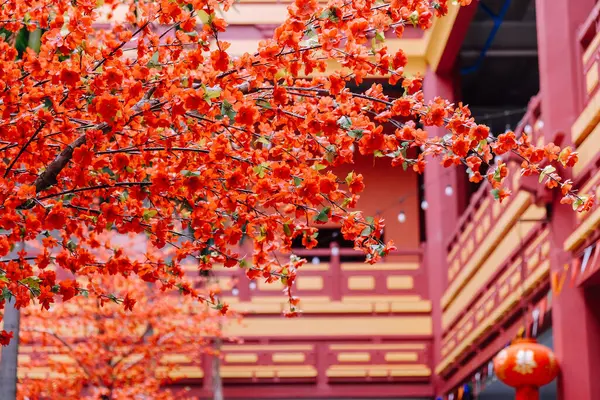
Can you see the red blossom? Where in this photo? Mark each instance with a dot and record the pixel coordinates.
(5, 337)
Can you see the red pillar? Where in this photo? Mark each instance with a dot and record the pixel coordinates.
(441, 215)
(559, 58)
(575, 311)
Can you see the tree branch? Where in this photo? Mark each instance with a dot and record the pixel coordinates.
(64, 343)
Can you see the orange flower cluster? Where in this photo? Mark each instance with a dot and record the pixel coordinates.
(107, 352)
(198, 149)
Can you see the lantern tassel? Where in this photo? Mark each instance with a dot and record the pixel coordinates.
(527, 393)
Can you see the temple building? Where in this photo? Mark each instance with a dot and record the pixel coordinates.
(470, 273)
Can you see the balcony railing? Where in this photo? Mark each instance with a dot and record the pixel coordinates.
(484, 211)
(326, 284)
(589, 41)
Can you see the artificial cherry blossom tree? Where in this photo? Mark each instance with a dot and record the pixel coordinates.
(105, 351)
(162, 132)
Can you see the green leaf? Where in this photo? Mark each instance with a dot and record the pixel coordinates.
(367, 231)
(480, 145)
(282, 73)
(227, 110)
(260, 169)
(414, 18)
(153, 61)
(355, 133)
(35, 40)
(330, 14)
(404, 165)
(211, 93)
(323, 215)
(561, 156)
(32, 282)
(297, 181)
(380, 36)
(331, 153)
(264, 140)
(48, 103)
(124, 196)
(21, 41)
(108, 171)
(497, 176)
(378, 153)
(6, 294)
(149, 214)
(189, 174)
(319, 167)
(344, 122)
(71, 245)
(349, 177)
(264, 104)
(547, 170)
(496, 194)
(287, 230)
(205, 18)
(68, 197)
(579, 201)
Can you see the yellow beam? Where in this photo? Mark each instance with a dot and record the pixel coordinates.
(386, 346)
(587, 150)
(439, 37)
(587, 120)
(343, 326)
(582, 232)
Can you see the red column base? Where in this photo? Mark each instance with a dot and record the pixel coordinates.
(527, 393)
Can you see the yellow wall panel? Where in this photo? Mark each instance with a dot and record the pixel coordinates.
(241, 358)
(354, 357)
(309, 283)
(361, 283)
(288, 357)
(401, 356)
(400, 282)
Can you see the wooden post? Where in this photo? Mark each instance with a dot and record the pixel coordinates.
(441, 217)
(8, 362)
(217, 382)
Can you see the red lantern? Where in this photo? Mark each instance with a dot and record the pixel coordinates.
(526, 365)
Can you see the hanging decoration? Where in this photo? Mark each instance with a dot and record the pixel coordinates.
(581, 266)
(526, 365)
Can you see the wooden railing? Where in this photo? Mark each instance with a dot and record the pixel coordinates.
(483, 210)
(589, 41)
(326, 284)
(524, 271)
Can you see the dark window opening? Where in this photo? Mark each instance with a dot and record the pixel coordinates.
(325, 239)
